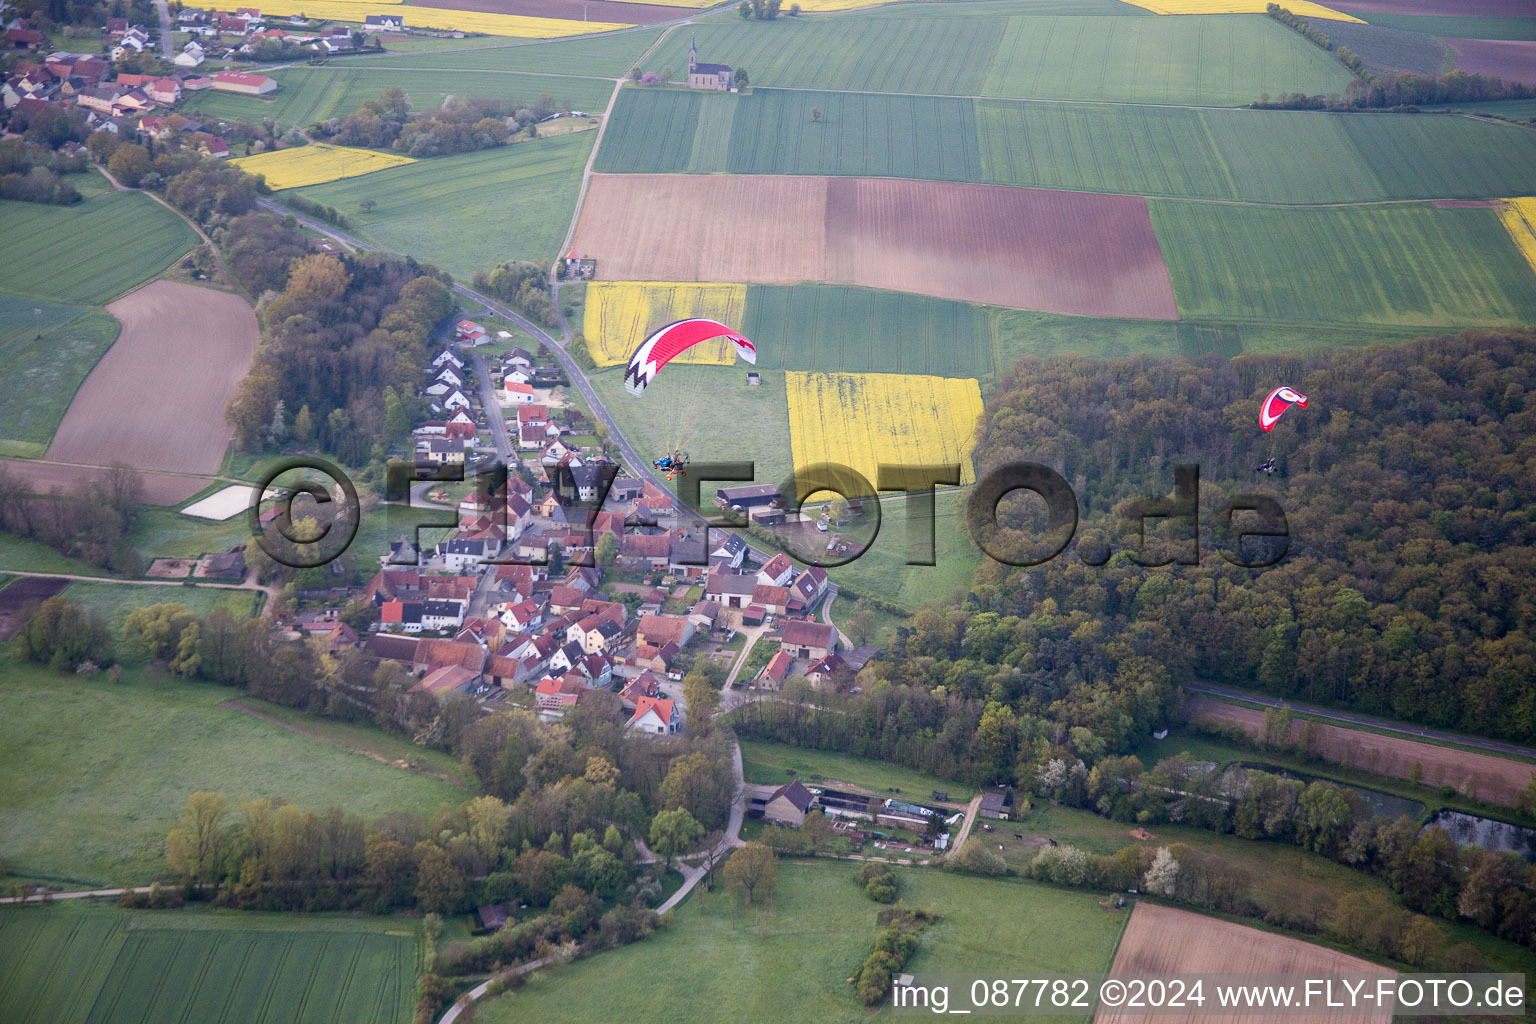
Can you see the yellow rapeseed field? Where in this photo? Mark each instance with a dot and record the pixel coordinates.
(621, 314)
(434, 17)
(861, 420)
(321, 162)
(1300, 8)
(1519, 217)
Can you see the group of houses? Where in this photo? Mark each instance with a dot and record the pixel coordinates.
(126, 103)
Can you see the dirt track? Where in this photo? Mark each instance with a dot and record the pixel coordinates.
(1063, 252)
(1484, 776)
(1162, 941)
(570, 10)
(156, 400)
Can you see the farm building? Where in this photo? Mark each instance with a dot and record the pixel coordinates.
(788, 804)
(729, 589)
(244, 82)
(747, 497)
(997, 803)
(774, 673)
(811, 640)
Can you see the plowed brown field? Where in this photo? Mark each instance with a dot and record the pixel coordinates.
(1064, 252)
(1445, 8)
(156, 400)
(1484, 776)
(1163, 941)
(1510, 59)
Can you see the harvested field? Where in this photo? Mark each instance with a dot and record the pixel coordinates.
(1063, 252)
(1391, 49)
(1161, 940)
(1483, 776)
(20, 594)
(159, 488)
(1509, 59)
(570, 10)
(649, 227)
(156, 400)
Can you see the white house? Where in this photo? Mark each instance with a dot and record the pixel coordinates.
(656, 716)
(515, 393)
(442, 614)
(448, 355)
(190, 56)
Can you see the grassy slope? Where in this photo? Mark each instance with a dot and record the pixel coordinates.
(606, 56)
(789, 962)
(115, 601)
(306, 95)
(69, 257)
(765, 763)
(73, 963)
(470, 212)
(96, 774)
(46, 357)
(32, 556)
(883, 570)
(1397, 265)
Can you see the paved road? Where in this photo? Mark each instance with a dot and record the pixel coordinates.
(78, 895)
(164, 10)
(1411, 731)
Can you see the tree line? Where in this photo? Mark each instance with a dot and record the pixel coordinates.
(89, 521)
(33, 174)
(458, 126)
(1373, 90)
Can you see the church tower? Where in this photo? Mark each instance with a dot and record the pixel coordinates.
(693, 55)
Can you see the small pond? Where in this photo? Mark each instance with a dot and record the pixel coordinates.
(1382, 805)
(1473, 830)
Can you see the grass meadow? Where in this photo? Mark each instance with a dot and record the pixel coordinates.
(47, 349)
(471, 211)
(95, 774)
(788, 960)
(114, 602)
(79, 963)
(69, 259)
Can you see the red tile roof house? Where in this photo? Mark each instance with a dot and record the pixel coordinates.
(559, 694)
(776, 671)
(660, 630)
(656, 716)
(646, 551)
(777, 572)
(643, 685)
(468, 330)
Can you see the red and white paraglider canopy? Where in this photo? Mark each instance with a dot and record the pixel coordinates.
(1275, 403)
(671, 341)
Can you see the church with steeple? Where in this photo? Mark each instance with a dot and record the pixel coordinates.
(706, 76)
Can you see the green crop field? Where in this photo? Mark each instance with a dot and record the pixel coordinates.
(93, 251)
(883, 572)
(472, 211)
(1408, 264)
(115, 601)
(1218, 60)
(605, 56)
(765, 763)
(47, 350)
(306, 95)
(83, 964)
(789, 962)
(95, 774)
(1292, 157)
(862, 330)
